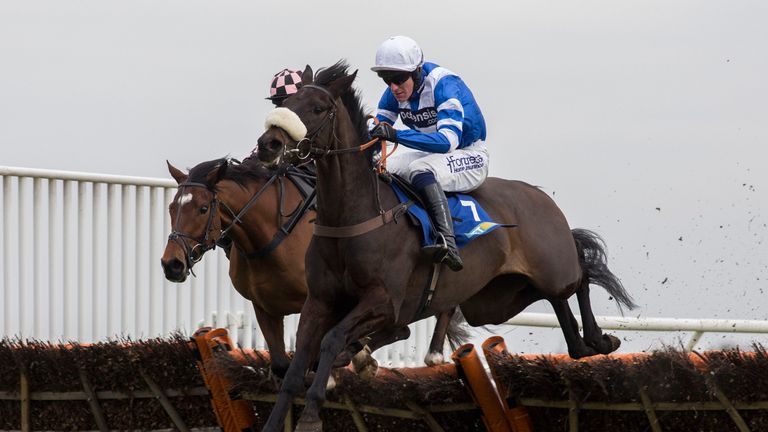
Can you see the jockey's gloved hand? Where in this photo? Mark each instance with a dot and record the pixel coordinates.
(386, 131)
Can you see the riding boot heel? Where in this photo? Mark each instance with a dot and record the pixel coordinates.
(444, 251)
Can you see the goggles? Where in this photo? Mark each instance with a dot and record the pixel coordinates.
(397, 78)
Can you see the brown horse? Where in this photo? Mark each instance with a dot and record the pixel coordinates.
(266, 265)
(373, 282)
(249, 202)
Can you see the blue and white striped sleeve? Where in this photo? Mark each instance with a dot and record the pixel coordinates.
(450, 119)
(388, 107)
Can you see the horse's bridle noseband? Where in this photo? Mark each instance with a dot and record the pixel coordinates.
(202, 243)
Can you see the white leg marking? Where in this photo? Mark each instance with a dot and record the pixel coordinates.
(331, 383)
(433, 359)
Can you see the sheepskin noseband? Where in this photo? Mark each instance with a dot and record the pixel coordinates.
(288, 121)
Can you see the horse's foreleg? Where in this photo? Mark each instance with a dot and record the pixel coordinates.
(593, 335)
(576, 346)
(375, 341)
(272, 328)
(435, 354)
(388, 336)
(363, 362)
(315, 321)
(368, 316)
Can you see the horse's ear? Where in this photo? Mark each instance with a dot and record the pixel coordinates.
(342, 85)
(216, 174)
(307, 77)
(176, 173)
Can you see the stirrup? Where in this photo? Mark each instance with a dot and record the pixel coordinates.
(440, 247)
(441, 253)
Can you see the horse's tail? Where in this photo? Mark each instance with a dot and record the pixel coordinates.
(457, 333)
(593, 263)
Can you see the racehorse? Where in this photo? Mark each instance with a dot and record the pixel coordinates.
(266, 214)
(266, 265)
(373, 281)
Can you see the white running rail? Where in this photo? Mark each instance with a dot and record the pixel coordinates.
(81, 261)
(697, 326)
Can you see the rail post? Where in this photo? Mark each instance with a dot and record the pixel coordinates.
(516, 412)
(233, 415)
(471, 370)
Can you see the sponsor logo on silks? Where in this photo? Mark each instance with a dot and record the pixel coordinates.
(422, 118)
(480, 229)
(464, 163)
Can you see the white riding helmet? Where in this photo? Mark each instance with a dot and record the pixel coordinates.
(398, 53)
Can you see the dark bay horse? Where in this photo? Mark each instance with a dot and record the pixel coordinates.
(255, 205)
(374, 282)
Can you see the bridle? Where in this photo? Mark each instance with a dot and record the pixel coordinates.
(306, 147)
(194, 254)
(202, 243)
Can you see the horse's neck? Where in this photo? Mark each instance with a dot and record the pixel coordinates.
(258, 222)
(346, 192)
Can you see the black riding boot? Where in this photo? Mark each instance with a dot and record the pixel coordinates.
(437, 206)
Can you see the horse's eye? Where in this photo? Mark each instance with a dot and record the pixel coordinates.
(318, 110)
(203, 209)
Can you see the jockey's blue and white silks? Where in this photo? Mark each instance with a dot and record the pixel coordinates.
(460, 170)
(441, 114)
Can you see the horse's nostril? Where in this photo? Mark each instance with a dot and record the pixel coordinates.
(274, 145)
(177, 265)
(173, 266)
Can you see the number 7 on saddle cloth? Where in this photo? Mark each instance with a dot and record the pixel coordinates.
(469, 219)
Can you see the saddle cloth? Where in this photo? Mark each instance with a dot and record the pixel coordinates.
(469, 219)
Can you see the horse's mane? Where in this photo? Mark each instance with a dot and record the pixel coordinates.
(250, 169)
(350, 99)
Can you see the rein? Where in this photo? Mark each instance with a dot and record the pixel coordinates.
(236, 218)
(282, 232)
(294, 217)
(306, 147)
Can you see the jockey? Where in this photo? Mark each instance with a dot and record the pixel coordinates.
(284, 83)
(446, 132)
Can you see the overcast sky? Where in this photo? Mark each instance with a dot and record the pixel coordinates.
(647, 121)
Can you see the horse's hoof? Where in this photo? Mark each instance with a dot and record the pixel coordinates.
(606, 344)
(309, 426)
(584, 351)
(364, 365)
(369, 372)
(613, 341)
(362, 359)
(434, 359)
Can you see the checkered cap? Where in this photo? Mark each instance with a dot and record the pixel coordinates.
(284, 83)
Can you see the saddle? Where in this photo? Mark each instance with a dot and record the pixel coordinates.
(469, 219)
